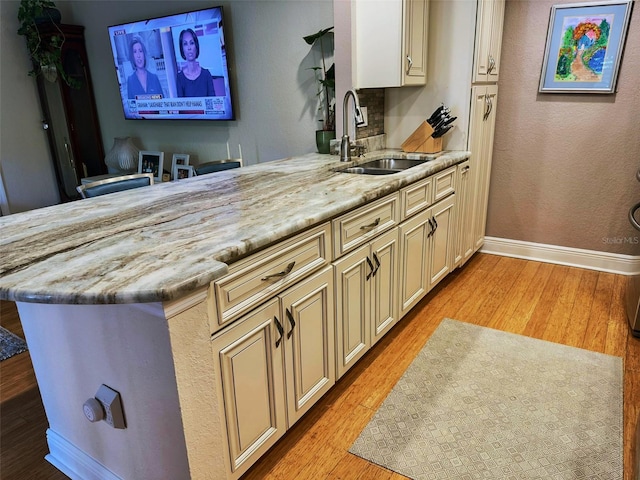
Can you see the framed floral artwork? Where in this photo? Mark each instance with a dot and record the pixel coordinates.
(584, 47)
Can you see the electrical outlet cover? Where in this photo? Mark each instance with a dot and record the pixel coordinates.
(110, 400)
(365, 117)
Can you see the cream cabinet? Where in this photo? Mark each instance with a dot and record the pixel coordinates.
(413, 282)
(286, 325)
(489, 21)
(464, 236)
(274, 364)
(426, 251)
(427, 236)
(366, 297)
(251, 380)
(442, 240)
(309, 344)
(268, 272)
(390, 42)
(483, 119)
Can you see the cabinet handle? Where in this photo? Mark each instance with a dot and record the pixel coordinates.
(286, 271)
(431, 229)
(375, 258)
(291, 321)
(409, 64)
(371, 267)
(489, 101)
(465, 169)
(280, 331)
(436, 225)
(371, 225)
(492, 64)
(69, 155)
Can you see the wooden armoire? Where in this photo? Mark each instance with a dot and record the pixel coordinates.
(70, 115)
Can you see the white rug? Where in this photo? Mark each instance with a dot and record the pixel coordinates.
(478, 403)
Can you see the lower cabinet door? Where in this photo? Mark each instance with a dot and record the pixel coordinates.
(353, 304)
(414, 260)
(310, 371)
(442, 240)
(384, 284)
(464, 235)
(250, 361)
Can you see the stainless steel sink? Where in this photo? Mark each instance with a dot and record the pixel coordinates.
(368, 171)
(393, 163)
(383, 166)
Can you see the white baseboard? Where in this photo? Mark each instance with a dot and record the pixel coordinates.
(73, 462)
(573, 257)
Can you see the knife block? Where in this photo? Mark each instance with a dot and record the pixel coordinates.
(421, 140)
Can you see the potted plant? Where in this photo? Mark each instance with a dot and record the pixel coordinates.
(326, 79)
(45, 50)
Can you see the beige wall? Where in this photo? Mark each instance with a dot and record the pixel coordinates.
(563, 165)
(25, 161)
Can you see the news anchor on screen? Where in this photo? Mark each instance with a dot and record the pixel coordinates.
(141, 81)
(193, 80)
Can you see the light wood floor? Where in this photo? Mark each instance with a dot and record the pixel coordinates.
(576, 307)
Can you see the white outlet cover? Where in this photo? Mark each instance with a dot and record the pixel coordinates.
(365, 116)
(110, 400)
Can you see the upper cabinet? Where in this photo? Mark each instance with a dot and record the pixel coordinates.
(390, 42)
(490, 16)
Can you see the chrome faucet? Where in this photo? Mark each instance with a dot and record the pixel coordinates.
(345, 143)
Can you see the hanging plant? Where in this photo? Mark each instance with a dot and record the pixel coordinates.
(45, 50)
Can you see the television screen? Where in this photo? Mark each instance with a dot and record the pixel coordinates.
(173, 67)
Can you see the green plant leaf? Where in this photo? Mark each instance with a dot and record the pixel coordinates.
(310, 39)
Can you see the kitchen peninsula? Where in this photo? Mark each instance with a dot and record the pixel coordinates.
(163, 292)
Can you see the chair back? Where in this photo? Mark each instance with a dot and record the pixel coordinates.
(217, 166)
(115, 184)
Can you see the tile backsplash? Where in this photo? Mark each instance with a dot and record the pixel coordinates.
(373, 99)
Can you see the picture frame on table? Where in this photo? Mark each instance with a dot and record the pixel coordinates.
(151, 162)
(585, 42)
(179, 159)
(181, 172)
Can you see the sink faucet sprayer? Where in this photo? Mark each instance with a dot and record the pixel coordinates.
(345, 144)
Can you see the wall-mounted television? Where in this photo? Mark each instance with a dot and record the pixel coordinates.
(173, 67)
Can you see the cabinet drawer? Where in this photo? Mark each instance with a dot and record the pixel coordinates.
(256, 278)
(444, 183)
(416, 197)
(359, 226)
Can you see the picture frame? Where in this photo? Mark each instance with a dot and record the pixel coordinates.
(585, 42)
(151, 162)
(178, 159)
(180, 172)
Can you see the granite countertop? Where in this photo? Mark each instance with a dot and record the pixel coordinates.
(163, 242)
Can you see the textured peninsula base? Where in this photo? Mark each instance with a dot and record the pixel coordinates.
(481, 403)
(10, 344)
